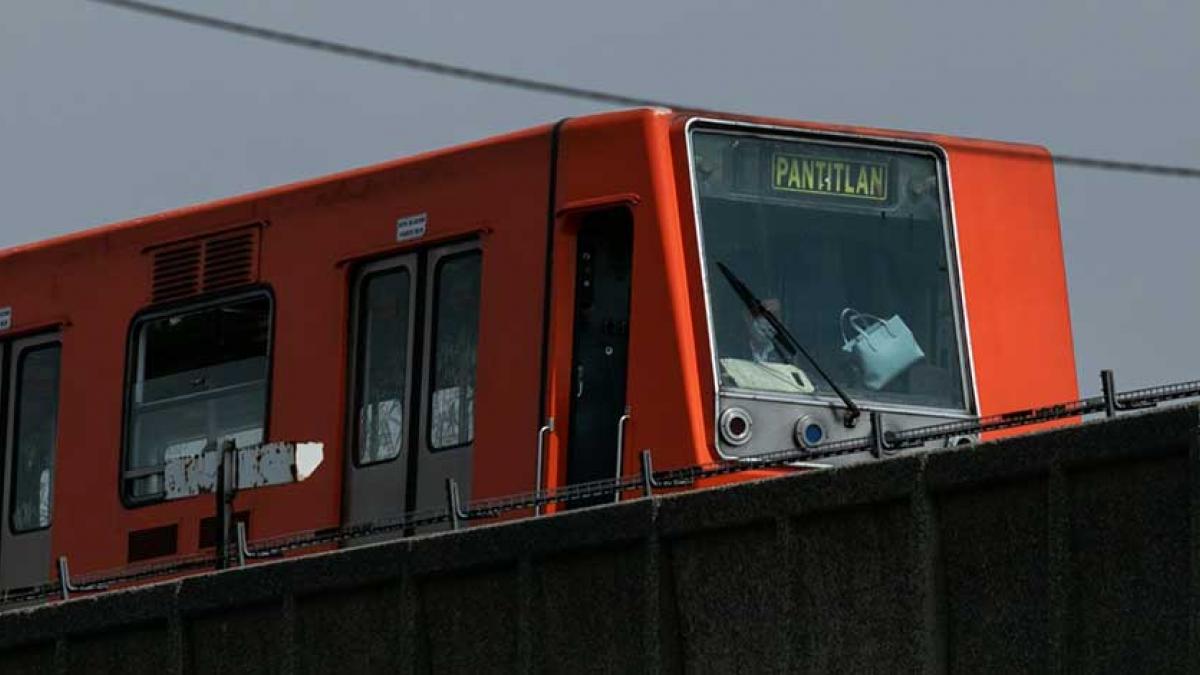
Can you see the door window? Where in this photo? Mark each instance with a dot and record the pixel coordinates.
(383, 368)
(455, 339)
(35, 436)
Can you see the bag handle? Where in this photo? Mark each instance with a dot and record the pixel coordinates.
(855, 314)
(881, 322)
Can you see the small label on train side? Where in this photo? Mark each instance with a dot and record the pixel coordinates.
(5, 318)
(832, 177)
(411, 227)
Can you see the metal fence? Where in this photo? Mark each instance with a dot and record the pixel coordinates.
(454, 513)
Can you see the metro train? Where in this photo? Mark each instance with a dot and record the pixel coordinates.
(525, 312)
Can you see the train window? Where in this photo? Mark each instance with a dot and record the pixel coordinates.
(199, 378)
(35, 436)
(849, 245)
(383, 370)
(455, 338)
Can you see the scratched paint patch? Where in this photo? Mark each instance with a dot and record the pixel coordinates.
(255, 466)
(5, 318)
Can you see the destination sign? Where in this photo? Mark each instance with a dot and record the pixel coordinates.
(831, 177)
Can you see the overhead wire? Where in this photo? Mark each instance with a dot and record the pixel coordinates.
(534, 85)
(387, 58)
(1127, 167)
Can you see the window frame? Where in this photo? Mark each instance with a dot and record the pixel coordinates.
(16, 367)
(409, 263)
(151, 313)
(431, 367)
(969, 409)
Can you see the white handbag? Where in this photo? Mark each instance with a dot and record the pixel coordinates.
(882, 349)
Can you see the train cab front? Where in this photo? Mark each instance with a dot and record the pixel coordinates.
(832, 269)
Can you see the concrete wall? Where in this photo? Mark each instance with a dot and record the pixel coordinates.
(1072, 551)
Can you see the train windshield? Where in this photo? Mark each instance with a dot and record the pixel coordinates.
(848, 246)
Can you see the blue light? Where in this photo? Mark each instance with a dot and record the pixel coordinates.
(813, 433)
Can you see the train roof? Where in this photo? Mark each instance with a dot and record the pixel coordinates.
(299, 188)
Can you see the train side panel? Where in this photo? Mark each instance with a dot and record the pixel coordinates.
(1014, 278)
(313, 235)
(622, 161)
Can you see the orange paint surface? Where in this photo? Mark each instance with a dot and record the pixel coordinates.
(92, 284)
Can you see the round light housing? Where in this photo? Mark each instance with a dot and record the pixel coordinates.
(736, 426)
(808, 432)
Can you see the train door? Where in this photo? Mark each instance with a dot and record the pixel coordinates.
(382, 327)
(599, 355)
(415, 327)
(30, 368)
(447, 425)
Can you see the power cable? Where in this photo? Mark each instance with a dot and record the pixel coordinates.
(1127, 167)
(529, 84)
(387, 58)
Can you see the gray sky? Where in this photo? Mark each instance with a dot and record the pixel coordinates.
(106, 115)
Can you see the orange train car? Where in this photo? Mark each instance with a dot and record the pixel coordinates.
(527, 311)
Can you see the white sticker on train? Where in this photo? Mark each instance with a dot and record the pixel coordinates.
(5, 318)
(411, 227)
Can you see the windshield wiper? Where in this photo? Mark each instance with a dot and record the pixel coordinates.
(784, 339)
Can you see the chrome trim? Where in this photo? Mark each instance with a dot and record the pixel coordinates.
(704, 285)
(835, 403)
(965, 350)
(809, 465)
(543, 432)
(966, 356)
(622, 422)
(800, 428)
(727, 417)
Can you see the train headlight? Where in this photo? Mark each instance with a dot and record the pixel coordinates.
(736, 426)
(808, 432)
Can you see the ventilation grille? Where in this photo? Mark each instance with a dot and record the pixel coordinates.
(176, 273)
(203, 266)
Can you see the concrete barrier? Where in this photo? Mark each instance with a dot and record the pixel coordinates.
(1069, 551)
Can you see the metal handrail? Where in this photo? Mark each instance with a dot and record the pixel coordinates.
(645, 482)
